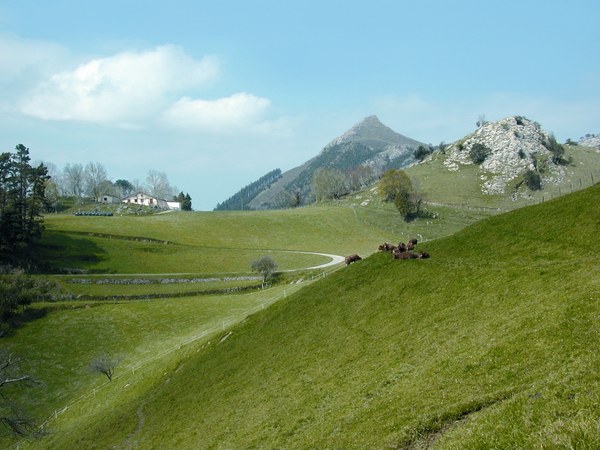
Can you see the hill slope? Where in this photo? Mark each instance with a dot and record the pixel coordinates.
(368, 143)
(515, 145)
(490, 343)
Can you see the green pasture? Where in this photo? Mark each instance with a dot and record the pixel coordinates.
(227, 242)
(491, 343)
(104, 287)
(143, 335)
(92, 254)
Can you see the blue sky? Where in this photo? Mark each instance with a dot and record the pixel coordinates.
(216, 94)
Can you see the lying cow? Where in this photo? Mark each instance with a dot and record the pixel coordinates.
(409, 255)
(405, 255)
(352, 258)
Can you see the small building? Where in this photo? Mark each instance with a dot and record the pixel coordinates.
(174, 206)
(143, 199)
(107, 199)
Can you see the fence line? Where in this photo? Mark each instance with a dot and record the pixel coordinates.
(140, 365)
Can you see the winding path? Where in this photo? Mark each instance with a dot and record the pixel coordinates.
(335, 260)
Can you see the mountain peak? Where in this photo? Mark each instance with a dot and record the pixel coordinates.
(370, 129)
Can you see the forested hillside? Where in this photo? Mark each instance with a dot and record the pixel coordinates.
(244, 196)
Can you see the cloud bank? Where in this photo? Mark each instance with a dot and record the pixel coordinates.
(120, 89)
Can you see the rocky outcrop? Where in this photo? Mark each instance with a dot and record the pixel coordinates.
(513, 146)
(590, 140)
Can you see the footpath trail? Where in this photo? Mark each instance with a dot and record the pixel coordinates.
(335, 260)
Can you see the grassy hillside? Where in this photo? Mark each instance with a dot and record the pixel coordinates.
(490, 343)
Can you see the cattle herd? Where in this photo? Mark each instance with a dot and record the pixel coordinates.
(400, 251)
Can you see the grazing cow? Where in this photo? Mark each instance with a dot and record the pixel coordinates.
(423, 255)
(352, 258)
(402, 247)
(413, 241)
(385, 247)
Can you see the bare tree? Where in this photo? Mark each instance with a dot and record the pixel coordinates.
(158, 185)
(328, 184)
(481, 121)
(73, 180)
(11, 416)
(95, 177)
(104, 364)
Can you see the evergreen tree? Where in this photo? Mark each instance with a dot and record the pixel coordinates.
(186, 204)
(22, 200)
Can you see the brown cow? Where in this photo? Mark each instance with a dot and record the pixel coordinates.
(385, 247)
(424, 255)
(352, 258)
(402, 247)
(405, 255)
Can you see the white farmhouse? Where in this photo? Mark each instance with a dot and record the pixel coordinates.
(141, 198)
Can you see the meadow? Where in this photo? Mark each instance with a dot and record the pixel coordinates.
(491, 343)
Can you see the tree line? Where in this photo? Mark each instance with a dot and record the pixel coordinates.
(90, 182)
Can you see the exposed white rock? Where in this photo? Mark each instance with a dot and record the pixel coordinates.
(513, 142)
(590, 140)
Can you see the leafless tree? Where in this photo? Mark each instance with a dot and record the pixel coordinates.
(328, 184)
(11, 416)
(95, 178)
(158, 185)
(481, 121)
(73, 180)
(104, 364)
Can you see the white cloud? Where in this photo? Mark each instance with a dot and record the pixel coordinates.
(20, 56)
(241, 111)
(121, 89)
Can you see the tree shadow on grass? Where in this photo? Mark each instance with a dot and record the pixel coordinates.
(8, 327)
(59, 252)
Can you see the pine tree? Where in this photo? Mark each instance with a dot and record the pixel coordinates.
(22, 200)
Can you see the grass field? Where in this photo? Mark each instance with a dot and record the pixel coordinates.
(227, 242)
(492, 343)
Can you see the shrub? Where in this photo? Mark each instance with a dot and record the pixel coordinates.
(533, 180)
(421, 152)
(556, 149)
(479, 153)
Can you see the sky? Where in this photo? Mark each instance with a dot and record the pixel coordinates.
(216, 94)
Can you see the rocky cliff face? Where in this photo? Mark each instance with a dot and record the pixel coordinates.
(515, 144)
